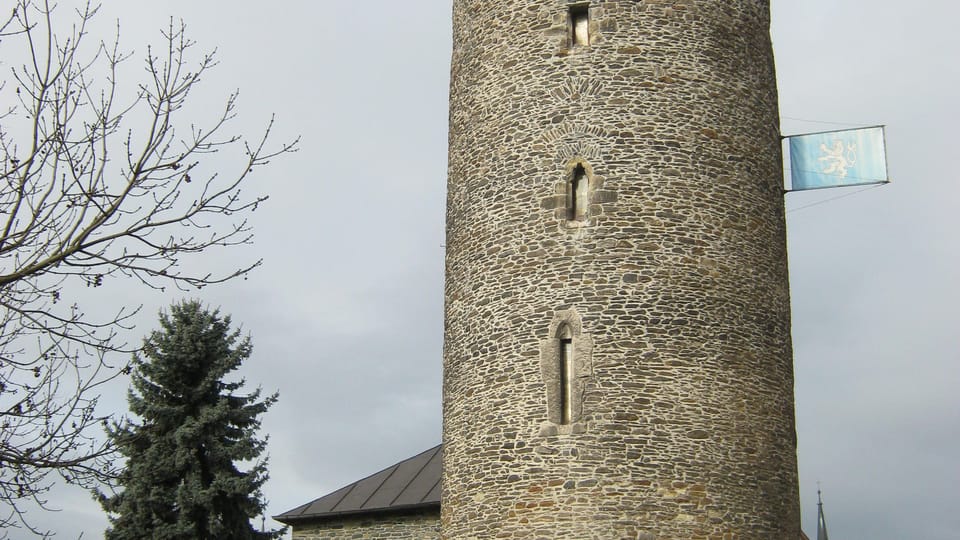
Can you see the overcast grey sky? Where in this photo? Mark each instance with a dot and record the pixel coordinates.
(346, 312)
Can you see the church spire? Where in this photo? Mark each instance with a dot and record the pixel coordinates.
(821, 520)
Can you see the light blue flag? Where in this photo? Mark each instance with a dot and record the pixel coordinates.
(838, 158)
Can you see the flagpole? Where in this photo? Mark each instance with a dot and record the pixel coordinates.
(838, 130)
(860, 184)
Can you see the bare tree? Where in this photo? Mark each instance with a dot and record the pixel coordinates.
(98, 180)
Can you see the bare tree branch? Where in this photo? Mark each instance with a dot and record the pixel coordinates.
(98, 180)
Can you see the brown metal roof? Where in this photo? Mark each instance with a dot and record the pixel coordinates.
(412, 483)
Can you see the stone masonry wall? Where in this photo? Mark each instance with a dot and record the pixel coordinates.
(672, 256)
(414, 526)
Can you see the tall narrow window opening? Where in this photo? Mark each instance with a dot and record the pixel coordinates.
(567, 369)
(566, 380)
(566, 375)
(579, 25)
(577, 193)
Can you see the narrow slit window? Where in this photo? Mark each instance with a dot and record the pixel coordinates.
(566, 368)
(566, 381)
(579, 26)
(578, 193)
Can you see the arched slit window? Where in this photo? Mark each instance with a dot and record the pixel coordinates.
(566, 371)
(566, 368)
(577, 193)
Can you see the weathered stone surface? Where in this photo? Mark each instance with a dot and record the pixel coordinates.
(424, 525)
(677, 270)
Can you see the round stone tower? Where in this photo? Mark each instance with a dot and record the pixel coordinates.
(617, 355)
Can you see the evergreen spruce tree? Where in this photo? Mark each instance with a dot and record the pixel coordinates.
(181, 478)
